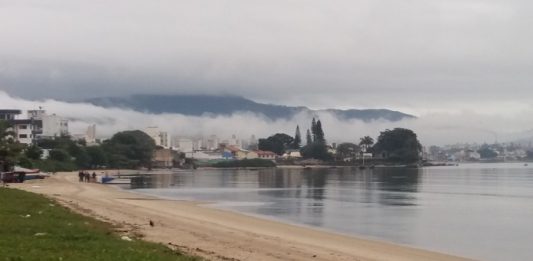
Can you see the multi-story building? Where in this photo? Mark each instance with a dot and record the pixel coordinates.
(52, 125)
(26, 130)
(212, 142)
(90, 134)
(186, 146)
(160, 137)
(9, 115)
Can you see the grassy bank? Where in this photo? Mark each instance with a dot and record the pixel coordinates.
(33, 227)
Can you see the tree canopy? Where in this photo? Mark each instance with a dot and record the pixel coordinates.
(33, 152)
(316, 147)
(9, 148)
(347, 150)
(398, 145)
(485, 152)
(308, 138)
(319, 133)
(366, 142)
(277, 143)
(130, 149)
(297, 142)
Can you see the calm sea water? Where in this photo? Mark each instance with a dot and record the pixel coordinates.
(482, 211)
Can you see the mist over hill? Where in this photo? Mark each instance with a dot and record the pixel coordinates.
(198, 105)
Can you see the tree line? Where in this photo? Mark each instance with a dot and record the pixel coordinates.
(396, 145)
(127, 149)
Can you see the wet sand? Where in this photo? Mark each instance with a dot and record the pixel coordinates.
(212, 233)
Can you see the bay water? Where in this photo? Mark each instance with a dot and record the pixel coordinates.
(481, 211)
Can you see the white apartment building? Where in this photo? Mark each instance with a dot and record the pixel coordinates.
(90, 134)
(37, 125)
(185, 145)
(52, 125)
(25, 131)
(212, 142)
(234, 142)
(160, 137)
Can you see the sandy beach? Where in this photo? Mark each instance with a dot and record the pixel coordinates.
(212, 233)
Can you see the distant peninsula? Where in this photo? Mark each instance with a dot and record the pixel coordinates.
(198, 105)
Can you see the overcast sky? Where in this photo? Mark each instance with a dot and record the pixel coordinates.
(419, 56)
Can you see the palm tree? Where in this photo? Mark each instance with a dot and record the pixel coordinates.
(366, 142)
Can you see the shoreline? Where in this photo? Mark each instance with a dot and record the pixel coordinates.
(215, 233)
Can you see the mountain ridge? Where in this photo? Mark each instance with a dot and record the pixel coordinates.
(198, 105)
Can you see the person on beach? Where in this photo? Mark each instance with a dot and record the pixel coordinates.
(87, 177)
(94, 177)
(81, 175)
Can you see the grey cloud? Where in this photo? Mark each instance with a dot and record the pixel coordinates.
(432, 128)
(365, 53)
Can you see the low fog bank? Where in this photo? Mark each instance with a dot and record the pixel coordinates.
(432, 129)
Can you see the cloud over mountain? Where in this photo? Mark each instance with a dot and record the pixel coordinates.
(417, 54)
(432, 128)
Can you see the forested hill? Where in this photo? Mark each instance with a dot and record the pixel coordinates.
(197, 105)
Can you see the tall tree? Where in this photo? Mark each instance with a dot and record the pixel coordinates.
(319, 133)
(366, 142)
(297, 143)
(313, 129)
(309, 138)
(316, 145)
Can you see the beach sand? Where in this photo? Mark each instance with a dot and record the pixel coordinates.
(211, 233)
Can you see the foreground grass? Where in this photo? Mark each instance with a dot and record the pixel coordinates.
(33, 227)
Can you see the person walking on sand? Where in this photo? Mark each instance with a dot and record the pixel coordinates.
(87, 177)
(80, 175)
(94, 177)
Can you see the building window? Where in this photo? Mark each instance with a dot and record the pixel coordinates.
(23, 127)
(23, 136)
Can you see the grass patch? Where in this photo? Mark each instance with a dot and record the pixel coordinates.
(33, 227)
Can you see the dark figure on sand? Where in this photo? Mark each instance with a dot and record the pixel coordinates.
(81, 175)
(94, 177)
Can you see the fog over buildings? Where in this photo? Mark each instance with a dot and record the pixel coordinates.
(464, 67)
(433, 128)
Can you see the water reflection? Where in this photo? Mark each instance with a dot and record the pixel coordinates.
(391, 186)
(399, 185)
(442, 208)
